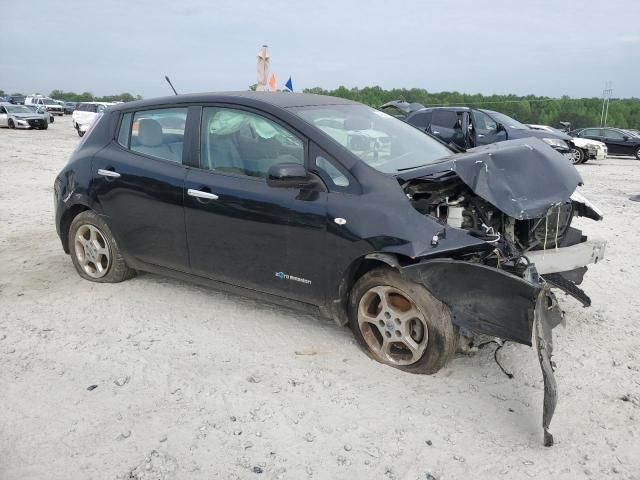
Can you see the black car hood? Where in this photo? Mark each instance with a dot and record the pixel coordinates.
(523, 178)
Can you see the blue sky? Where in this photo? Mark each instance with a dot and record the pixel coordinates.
(543, 47)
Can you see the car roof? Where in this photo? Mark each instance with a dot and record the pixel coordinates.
(277, 99)
(455, 109)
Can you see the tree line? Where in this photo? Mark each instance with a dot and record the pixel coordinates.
(85, 96)
(581, 112)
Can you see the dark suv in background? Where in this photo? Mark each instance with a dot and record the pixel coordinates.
(618, 141)
(470, 127)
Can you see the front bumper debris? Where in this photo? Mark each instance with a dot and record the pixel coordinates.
(494, 302)
(564, 259)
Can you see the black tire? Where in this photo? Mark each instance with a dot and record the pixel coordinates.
(116, 269)
(442, 337)
(45, 126)
(10, 124)
(52, 119)
(578, 155)
(638, 153)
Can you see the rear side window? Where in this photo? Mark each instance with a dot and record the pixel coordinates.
(590, 132)
(421, 120)
(157, 133)
(444, 118)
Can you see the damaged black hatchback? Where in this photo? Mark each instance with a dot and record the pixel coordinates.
(325, 204)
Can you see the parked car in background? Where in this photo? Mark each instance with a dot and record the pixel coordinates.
(85, 113)
(330, 206)
(69, 107)
(471, 127)
(583, 149)
(41, 109)
(20, 116)
(15, 99)
(52, 106)
(618, 141)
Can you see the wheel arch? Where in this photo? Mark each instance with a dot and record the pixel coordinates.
(354, 272)
(65, 222)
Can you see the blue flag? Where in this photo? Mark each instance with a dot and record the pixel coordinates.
(289, 85)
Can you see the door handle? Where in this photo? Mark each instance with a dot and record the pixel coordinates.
(108, 173)
(436, 133)
(480, 135)
(200, 194)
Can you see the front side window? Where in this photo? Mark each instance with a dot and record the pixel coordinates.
(482, 122)
(159, 133)
(508, 121)
(243, 143)
(383, 142)
(613, 135)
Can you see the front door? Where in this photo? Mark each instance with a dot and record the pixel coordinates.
(616, 143)
(484, 129)
(242, 231)
(138, 182)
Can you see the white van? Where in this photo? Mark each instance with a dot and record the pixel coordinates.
(85, 113)
(50, 104)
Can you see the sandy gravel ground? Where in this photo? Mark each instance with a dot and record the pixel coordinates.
(197, 384)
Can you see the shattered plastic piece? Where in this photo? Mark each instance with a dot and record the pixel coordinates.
(544, 344)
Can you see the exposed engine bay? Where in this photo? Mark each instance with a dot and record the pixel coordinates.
(519, 199)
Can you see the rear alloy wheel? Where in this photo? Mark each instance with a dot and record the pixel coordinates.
(94, 251)
(399, 323)
(577, 155)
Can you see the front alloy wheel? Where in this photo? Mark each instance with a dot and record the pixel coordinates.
(393, 327)
(399, 323)
(576, 156)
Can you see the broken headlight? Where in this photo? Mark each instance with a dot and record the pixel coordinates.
(555, 142)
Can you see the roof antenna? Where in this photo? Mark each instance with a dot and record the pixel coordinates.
(170, 84)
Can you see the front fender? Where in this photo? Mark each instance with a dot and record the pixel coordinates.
(482, 299)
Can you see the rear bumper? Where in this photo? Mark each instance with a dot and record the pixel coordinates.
(567, 258)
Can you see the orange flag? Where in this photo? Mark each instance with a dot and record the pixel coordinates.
(272, 82)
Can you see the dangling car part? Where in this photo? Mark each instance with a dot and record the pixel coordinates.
(324, 204)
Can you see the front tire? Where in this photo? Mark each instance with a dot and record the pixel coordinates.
(399, 323)
(52, 119)
(577, 155)
(11, 124)
(95, 252)
(638, 153)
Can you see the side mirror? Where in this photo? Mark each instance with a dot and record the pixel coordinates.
(289, 175)
(500, 128)
(625, 138)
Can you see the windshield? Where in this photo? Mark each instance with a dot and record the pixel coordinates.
(380, 140)
(508, 121)
(48, 101)
(18, 109)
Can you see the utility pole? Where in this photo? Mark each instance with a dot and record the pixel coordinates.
(606, 95)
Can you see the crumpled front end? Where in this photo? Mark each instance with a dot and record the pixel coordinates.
(519, 198)
(494, 302)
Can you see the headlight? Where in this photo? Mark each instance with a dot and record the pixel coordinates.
(555, 142)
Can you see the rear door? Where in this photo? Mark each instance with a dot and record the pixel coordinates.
(240, 230)
(138, 181)
(446, 126)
